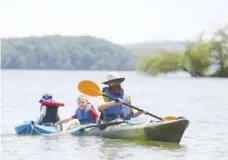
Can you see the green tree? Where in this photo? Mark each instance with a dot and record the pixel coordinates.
(219, 48)
(197, 57)
(167, 61)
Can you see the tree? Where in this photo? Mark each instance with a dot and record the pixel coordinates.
(219, 49)
(197, 57)
(167, 61)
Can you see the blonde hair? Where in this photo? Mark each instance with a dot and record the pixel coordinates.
(82, 97)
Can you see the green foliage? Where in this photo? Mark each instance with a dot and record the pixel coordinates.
(59, 52)
(198, 55)
(219, 47)
(196, 59)
(164, 62)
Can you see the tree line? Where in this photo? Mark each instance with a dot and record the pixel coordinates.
(64, 52)
(201, 58)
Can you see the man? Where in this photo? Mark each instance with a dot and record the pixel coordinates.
(110, 109)
(48, 110)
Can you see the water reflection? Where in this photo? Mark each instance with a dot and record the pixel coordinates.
(111, 148)
(162, 145)
(121, 149)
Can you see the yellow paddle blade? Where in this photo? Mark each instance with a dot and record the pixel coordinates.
(169, 118)
(89, 88)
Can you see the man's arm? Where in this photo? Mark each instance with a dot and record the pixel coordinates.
(104, 104)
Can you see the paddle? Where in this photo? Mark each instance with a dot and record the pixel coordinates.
(101, 126)
(90, 88)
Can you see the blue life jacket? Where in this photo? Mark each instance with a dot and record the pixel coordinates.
(85, 117)
(116, 111)
(126, 111)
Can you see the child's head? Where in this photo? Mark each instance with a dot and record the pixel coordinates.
(82, 102)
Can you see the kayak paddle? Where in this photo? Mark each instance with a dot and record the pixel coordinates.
(100, 126)
(90, 88)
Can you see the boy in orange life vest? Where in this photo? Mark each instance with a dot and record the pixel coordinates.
(85, 113)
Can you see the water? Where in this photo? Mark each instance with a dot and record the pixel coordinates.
(203, 101)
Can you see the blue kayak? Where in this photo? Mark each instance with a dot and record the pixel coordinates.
(32, 128)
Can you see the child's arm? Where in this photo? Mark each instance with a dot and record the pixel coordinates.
(63, 121)
(42, 114)
(94, 113)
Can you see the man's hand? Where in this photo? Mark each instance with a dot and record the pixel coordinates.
(118, 101)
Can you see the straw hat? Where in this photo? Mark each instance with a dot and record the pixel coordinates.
(113, 76)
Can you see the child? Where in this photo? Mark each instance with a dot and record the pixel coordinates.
(85, 113)
(48, 110)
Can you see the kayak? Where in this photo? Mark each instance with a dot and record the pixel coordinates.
(31, 128)
(164, 131)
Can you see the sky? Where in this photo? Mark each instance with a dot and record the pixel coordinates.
(120, 21)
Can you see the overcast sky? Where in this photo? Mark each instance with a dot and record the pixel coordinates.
(120, 21)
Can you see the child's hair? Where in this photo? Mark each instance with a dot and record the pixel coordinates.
(82, 97)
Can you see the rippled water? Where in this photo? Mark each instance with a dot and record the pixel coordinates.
(203, 101)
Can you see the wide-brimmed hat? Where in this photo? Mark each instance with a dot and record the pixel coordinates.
(113, 76)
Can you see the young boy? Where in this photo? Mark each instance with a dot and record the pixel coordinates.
(85, 113)
(48, 110)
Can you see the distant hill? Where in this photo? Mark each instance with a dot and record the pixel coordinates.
(76, 53)
(64, 52)
(152, 47)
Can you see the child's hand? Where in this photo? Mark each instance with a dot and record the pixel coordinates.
(55, 125)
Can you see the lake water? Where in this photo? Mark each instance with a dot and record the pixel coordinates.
(203, 101)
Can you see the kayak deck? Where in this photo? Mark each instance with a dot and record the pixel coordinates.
(165, 131)
(31, 128)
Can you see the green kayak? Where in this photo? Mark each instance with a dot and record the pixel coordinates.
(164, 131)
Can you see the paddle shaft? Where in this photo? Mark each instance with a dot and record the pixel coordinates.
(101, 125)
(136, 108)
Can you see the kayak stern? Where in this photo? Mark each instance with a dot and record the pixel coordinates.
(166, 131)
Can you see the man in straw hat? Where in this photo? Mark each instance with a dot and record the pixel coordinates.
(113, 110)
